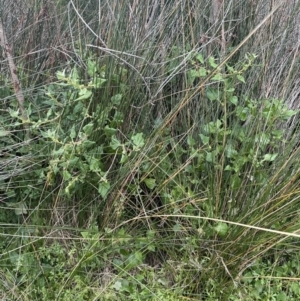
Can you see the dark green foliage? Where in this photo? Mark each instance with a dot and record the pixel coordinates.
(160, 156)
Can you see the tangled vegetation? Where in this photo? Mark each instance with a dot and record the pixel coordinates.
(149, 154)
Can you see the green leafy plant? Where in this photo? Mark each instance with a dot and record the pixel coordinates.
(164, 166)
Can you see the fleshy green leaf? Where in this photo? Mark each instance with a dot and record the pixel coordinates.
(124, 157)
(202, 72)
(210, 157)
(270, 157)
(88, 143)
(75, 75)
(73, 132)
(192, 74)
(115, 143)
(150, 183)
(241, 78)
(103, 189)
(85, 94)
(117, 285)
(88, 129)
(13, 113)
(3, 133)
(211, 62)
(191, 141)
(98, 82)
(217, 77)
(199, 57)
(221, 229)
(230, 68)
(138, 141)
(61, 75)
(116, 99)
(85, 234)
(230, 90)
(94, 164)
(20, 208)
(109, 131)
(91, 68)
(213, 94)
(66, 175)
(286, 114)
(204, 139)
(134, 260)
(233, 100)
(49, 134)
(230, 151)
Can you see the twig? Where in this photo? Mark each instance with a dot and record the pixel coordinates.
(7, 51)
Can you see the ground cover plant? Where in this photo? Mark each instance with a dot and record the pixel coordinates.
(149, 152)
